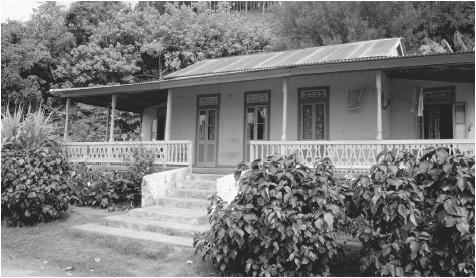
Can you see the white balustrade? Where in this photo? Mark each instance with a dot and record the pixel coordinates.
(350, 154)
(165, 152)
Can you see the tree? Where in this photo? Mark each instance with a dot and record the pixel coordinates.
(25, 66)
(84, 16)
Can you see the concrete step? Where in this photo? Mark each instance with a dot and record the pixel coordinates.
(192, 193)
(171, 214)
(133, 234)
(179, 202)
(213, 171)
(197, 184)
(165, 227)
(205, 177)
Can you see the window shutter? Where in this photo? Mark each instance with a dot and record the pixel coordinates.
(459, 120)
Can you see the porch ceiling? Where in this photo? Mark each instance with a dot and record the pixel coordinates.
(131, 102)
(462, 73)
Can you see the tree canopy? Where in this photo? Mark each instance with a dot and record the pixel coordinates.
(101, 43)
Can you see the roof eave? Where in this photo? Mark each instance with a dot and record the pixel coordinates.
(343, 66)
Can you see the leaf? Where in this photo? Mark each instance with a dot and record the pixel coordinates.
(386, 250)
(442, 154)
(413, 220)
(463, 227)
(450, 206)
(395, 182)
(399, 272)
(329, 219)
(222, 267)
(402, 211)
(249, 206)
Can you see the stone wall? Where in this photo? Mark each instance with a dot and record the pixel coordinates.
(157, 185)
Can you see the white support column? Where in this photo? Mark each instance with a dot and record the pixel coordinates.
(68, 103)
(378, 83)
(168, 117)
(113, 110)
(107, 122)
(285, 108)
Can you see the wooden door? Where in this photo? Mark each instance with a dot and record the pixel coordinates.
(438, 122)
(207, 128)
(313, 121)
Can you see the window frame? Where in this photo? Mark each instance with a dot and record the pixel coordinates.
(326, 114)
(247, 105)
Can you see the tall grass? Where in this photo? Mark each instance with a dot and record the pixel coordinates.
(28, 130)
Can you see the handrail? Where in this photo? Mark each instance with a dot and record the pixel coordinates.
(368, 142)
(177, 152)
(352, 154)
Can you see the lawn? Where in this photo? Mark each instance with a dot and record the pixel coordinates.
(53, 249)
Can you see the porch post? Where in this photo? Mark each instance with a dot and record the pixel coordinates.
(113, 110)
(168, 116)
(107, 122)
(68, 103)
(378, 81)
(285, 108)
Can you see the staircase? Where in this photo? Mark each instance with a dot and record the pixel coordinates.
(172, 220)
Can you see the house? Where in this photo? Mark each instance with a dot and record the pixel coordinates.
(346, 101)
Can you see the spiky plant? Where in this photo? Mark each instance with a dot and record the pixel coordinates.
(11, 123)
(28, 131)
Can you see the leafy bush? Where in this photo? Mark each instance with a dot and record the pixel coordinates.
(95, 187)
(34, 185)
(282, 222)
(416, 218)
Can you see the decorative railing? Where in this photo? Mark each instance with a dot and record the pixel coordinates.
(165, 152)
(352, 155)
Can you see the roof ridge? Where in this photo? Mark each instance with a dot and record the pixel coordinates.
(237, 57)
(318, 46)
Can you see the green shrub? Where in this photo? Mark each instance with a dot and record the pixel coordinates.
(34, 185)
(95, 187)
(416, 218)
(282, 222)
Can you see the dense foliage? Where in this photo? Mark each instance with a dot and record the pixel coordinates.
(416, 218)
(34, 185)
(35, 176)
(106, 188)
(412, 217)
(282, 222)
(101, 43)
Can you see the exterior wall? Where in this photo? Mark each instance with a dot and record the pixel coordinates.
(404, 123)
(231, 115)
(148, 115)
(344, 123)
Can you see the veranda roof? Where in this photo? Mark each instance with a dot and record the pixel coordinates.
(387, 55)
(390, 47)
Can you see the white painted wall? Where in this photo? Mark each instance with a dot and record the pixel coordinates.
(344, 124)
(404, 124)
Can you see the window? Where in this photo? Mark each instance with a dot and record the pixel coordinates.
(257, 109)
(313, 113)
(459, 120)
(256, 123)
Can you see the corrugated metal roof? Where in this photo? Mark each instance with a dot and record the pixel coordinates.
(312, 55)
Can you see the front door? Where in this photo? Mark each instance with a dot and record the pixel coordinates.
(438, 121)
(438, 113)
(207, 128)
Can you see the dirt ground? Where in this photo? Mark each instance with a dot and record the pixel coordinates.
(53, 249)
